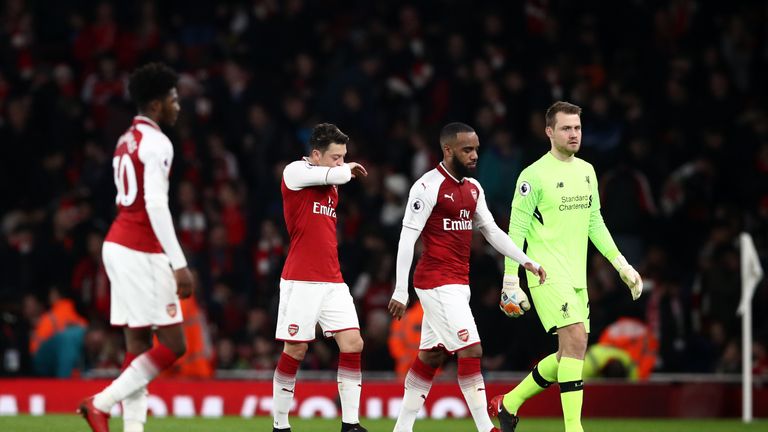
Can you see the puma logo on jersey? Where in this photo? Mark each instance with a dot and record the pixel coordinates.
(450, 197)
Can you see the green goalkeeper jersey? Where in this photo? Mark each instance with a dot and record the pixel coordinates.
(556, 207)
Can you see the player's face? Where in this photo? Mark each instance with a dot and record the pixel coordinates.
(170, 108)
(331, 157)
(464, 151)
(566, 134)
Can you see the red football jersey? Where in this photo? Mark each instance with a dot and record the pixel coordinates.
(310, 217)
(445, 210)
(142, 142)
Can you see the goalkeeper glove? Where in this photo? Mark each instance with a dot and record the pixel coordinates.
(514, 302)
(629, 276)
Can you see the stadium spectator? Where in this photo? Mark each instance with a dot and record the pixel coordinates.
(56, 343)
(257, 78)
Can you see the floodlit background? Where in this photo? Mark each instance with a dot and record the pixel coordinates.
(675, 123)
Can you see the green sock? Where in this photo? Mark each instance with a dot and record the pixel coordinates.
(571, 392)
(542, 375)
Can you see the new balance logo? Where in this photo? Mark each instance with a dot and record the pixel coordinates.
(559, 185)
(450, 197)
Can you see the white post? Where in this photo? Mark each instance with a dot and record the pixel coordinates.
(751, 273)
(746, 363)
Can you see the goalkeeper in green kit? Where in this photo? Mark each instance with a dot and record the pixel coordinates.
(556, 208)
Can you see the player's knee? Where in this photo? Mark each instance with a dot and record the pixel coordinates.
(473, 351)
(356, 345)
(179, 348)
(433, 359)
(580, 342)
(351, 344)
(296, 350)
(575, 346)
(138, 347)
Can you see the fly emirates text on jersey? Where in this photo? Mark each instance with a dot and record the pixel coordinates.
(463, 224)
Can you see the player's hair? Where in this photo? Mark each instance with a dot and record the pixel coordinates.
(326, 134)
(560, 106)
(449, 132)
(151, 82)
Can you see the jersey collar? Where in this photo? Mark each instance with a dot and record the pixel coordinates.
(140, 119)
(444, 171)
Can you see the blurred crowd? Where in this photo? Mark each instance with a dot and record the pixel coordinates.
(675, 122)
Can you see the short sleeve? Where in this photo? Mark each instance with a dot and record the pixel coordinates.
(483, 215)
(156, 153)
(421, 201)
(527, 193)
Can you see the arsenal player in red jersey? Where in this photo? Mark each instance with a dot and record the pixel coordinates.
(145, 264)
(312, 290)
(443, 207)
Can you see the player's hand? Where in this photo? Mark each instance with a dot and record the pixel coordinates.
(514, 302)
(629, 276)
(185, 282)
(396, 308)
(357, 169)
(539, 271)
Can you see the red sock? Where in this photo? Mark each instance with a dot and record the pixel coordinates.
(423, 370)
(287, 365)
(161, 356)
(349, 362)
(468, 366)
(129, 356)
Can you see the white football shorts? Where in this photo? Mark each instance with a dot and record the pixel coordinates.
(448, 322)
(143, 288)
(303, 305)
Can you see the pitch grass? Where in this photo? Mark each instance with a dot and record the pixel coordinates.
(74, 423)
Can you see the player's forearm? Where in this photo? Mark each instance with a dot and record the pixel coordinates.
(298, 176)
(504, 244)
(156, 205)
(601, 237)
(162, 225)
(404, 260)
(339, 175)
